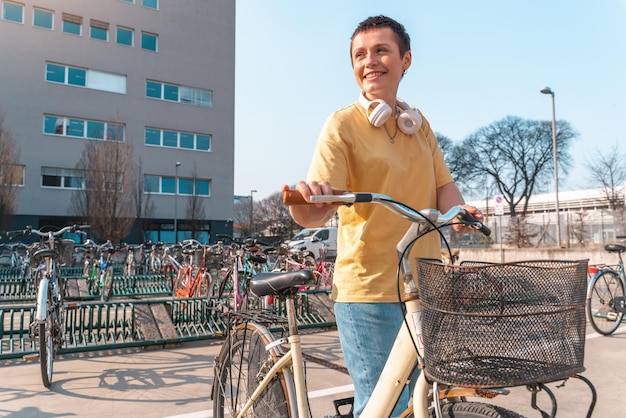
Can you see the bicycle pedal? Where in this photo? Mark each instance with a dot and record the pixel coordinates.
(340, 404)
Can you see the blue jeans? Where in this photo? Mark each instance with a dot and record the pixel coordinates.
(367, 332)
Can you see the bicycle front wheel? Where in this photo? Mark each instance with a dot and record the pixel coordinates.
(46, 341)
(603, 317)
(107, 287)
(242, 363)
(473, 410)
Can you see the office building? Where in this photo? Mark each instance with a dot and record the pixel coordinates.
(158, 74)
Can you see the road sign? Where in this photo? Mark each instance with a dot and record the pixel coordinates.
(499, 200)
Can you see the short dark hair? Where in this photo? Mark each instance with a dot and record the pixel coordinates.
(380, 21)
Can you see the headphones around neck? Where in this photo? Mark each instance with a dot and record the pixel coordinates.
(409, 120)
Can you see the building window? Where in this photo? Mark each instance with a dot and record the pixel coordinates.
(124, 36)
(61, 178)
(180, 94)
(129, 1)
(99, 30)
(12, 175)
(13, 12)
(42, 18)
(167, 185)
(173, 139)
(151, 4)
(92, 79)
(82, 128)
(148, 41)
(72, 24)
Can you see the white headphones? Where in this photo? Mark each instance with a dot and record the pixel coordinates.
(409, 120)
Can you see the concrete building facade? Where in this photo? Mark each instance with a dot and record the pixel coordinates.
(156, 73)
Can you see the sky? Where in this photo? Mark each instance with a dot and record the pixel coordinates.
(474, 63)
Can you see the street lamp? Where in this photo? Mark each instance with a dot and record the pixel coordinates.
(178, 164)
(251, 208)
(548, 90)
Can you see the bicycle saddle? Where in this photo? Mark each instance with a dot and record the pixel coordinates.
(279, 283)
(615, 248)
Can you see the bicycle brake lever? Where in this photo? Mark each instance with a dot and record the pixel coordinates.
(469, 220)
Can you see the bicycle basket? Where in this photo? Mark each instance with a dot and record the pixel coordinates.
(493, 325)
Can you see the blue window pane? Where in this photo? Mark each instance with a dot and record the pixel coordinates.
(71, 27)
(151, 184)
(76, 77)
(148, 42)
(185, 186)
(202, 187)
(55, 73)
(76, 127)
(170, 92)
(53, 125)
(168, 185)
(73, 182)
(152, 137)
(153, 4)
(203, 142)
(115, 132)
(186, 140)
(170, 139)
(42, 19)
(153, 89)
(95, 130)
(13, 12)
(124, 36)
(99, 33)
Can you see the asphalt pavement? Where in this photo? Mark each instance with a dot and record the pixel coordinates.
(176, 382)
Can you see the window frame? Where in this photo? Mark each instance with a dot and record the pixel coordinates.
(21, 6)
(45, 11)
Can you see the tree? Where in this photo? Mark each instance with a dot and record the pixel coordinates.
(516, 155)
(273, 216)
(144, 206)
(11, 174)
(608, 170)
(106, 200)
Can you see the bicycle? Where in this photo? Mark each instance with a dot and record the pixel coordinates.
(48, 326)
(254, 375)
(606, 302)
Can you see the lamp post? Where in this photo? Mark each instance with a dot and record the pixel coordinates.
(178, 164)
(548, 90)
(251, 209)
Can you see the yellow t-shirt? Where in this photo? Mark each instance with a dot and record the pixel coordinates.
(354, 155)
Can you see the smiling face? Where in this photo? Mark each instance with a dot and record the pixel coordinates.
(378, 64)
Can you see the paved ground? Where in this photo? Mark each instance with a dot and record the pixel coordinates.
(176, 382)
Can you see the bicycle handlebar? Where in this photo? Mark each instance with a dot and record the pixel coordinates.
(423, 217)
(29, 231)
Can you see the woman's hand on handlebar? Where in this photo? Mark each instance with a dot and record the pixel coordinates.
(312, 215)
(472, 214)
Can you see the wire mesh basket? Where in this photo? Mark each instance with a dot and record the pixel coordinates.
(493, 325)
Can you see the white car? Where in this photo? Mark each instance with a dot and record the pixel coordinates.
(316, 240)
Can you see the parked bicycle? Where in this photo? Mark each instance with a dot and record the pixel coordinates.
(606, 303)
(476, 330)
(48, 327)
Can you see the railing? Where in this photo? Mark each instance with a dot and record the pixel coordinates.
(91, 326)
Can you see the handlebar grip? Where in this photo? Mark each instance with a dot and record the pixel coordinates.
(475, 223)
(293, 197)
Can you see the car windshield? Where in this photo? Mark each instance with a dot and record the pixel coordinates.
(304, 234)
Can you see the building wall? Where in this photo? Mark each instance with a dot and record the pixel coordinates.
(196, 48)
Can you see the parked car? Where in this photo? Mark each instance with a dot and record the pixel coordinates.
(313, 240)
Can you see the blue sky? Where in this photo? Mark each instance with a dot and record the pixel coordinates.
(473, 63)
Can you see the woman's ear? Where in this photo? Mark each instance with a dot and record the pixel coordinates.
(406, 61)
